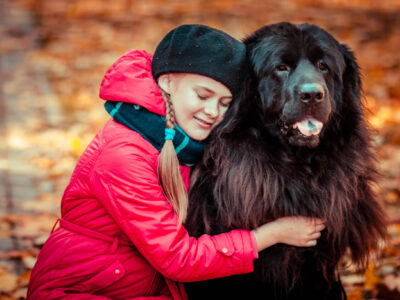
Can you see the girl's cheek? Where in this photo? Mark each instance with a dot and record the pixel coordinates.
(223, 112)
(220, 118)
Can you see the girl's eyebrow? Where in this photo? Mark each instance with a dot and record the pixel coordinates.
(206, 89)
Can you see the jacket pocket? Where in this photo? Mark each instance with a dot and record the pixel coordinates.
(101, 280)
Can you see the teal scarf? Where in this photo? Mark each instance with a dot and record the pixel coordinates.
(151, 127)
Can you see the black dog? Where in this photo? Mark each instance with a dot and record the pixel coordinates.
(295, 143)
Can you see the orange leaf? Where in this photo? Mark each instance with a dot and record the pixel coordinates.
(355, 295)
(370, 278)
(8, 281)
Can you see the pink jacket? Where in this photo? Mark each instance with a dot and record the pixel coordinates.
(119, 237)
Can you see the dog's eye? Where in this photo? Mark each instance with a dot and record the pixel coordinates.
(322, 66)
(282, 68)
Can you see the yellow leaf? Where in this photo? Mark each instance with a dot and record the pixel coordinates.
(370, 278)
(76, 146)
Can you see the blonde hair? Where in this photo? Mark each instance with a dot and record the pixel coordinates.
(169, 174)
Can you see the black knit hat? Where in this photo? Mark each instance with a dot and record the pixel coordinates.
(202, 50)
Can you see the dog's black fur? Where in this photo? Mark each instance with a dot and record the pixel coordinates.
(258, 166)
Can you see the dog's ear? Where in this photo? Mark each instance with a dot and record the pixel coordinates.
(351, 75)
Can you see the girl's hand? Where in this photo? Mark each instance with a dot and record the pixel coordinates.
(296, 231)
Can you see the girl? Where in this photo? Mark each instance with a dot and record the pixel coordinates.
(121, 234)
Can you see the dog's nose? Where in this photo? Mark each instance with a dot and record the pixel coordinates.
(311, 93)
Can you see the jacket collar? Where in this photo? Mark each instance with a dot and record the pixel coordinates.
(151, 127)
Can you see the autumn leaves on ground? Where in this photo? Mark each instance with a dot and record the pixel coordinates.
(53, 54)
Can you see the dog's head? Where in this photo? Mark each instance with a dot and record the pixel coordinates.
(303, 76)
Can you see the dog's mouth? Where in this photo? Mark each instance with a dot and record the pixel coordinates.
(304, 133)
(309, 127)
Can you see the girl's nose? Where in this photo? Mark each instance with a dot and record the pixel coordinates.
(211, 108)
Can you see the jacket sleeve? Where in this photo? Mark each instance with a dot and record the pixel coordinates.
(125, 181)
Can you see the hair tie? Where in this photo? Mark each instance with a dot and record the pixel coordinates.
(169, 134)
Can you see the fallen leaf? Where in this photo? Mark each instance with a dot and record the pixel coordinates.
(76, 146)
(8, 281)
(23, 280)
(355, 295)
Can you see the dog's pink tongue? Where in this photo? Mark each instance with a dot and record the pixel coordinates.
(309, 126)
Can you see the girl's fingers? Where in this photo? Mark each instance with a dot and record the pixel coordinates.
(313, 229)
(315, 235)
(314, 222)
(311, 243)
(318, 221)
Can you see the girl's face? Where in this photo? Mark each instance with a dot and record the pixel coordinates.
(199, 102)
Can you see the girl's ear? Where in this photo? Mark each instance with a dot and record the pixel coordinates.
(164, 82)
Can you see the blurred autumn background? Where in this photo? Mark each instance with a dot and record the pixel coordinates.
(53, 54)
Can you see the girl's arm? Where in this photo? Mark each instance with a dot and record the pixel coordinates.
(126, 184)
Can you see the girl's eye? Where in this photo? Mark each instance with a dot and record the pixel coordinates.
(201, 97)
(225, 104)
(282, 68)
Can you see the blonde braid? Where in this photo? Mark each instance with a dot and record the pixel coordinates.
(169, 174)
(169, 110)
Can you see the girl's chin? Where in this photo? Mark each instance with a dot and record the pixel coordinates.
(199, 134)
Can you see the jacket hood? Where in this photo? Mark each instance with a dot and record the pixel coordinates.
(130, 80)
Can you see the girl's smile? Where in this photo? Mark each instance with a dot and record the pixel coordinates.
(204, 124)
